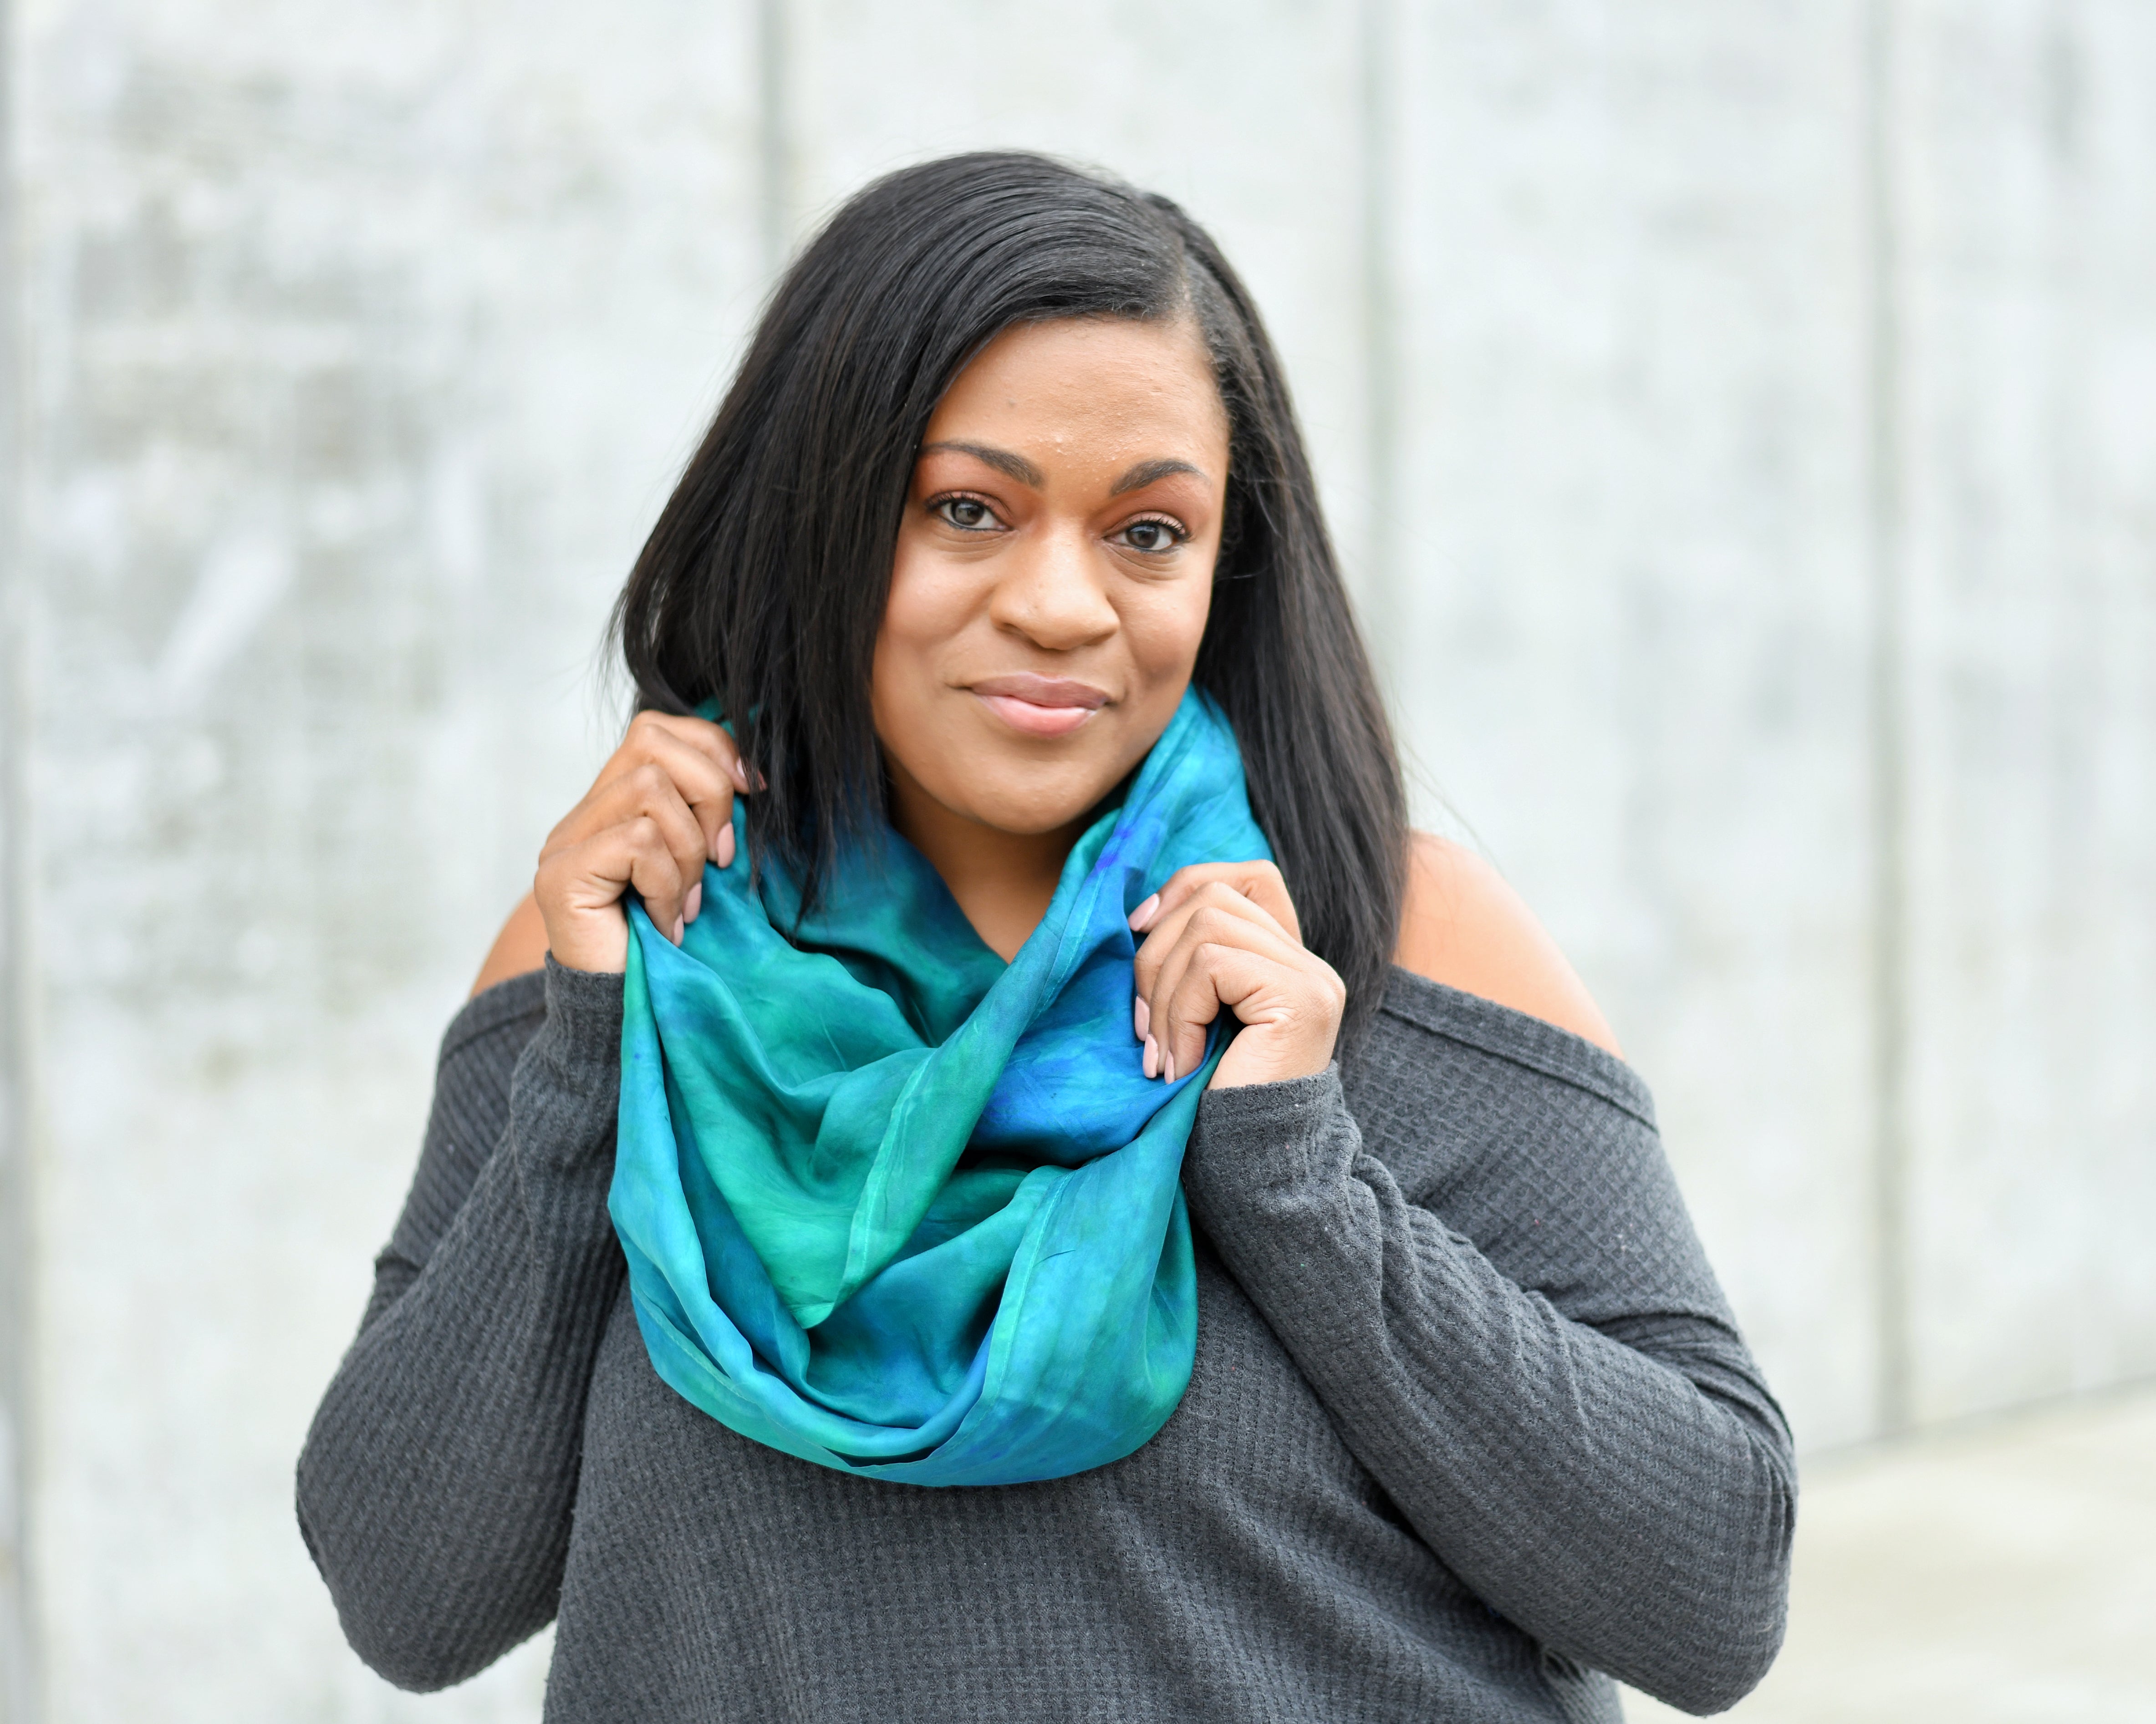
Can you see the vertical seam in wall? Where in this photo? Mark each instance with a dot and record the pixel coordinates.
(774, 162)
(19, 1683)
(1380, 582)
(1889, 737)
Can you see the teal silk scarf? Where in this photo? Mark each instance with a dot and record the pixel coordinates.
(895, 1207)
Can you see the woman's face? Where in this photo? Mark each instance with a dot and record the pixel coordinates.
(1053, 570)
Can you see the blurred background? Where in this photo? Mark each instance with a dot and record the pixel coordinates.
(1736, 417)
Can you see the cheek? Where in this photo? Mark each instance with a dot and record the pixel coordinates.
(914, 611)
(1164, 626)
(926, 609)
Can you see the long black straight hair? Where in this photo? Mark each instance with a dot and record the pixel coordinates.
(764, 582)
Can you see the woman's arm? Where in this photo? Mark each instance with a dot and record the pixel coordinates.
(1619, 1485)
(1534, 1361)
(437, 1484)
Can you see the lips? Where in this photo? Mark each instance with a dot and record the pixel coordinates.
(1040, 705)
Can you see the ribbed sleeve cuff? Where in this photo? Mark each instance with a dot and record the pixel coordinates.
(566, 1091)
(582, 1035)
(1257, 1144)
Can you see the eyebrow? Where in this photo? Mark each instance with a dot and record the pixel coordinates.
(1016, 466)
(1146, 472)
(1001, 459)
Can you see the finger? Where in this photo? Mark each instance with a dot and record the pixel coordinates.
(705, 765)
(704, 755)
(704, 784)
(1166, 935)
(1209, 967)
(1261, 882)
(655, 870)
(713, 741)
(651, 795)
(1164, 930)
(582, 878)
(648, 792)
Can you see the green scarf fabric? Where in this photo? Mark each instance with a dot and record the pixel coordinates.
(895, 1207)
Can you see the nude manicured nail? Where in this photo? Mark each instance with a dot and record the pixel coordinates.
(1167, 1068)
(722, 852)
(694, 902)
(1152, 1058)
(1143, 915)
(681, 927)
(1141, 1017)
(739, 773)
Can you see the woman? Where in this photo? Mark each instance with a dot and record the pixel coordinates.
(797, 1296)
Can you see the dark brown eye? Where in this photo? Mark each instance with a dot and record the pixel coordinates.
(1151, 536)
(966, 514)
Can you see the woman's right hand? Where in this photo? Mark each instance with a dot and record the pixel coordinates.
(659, 808)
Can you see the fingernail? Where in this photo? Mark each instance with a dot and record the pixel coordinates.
(1144, 914)
(694, 902)
(681, 927)
(1141, 1017)
(1152, 1058)
(739, 773)
(722, 852)
(1167, 1068)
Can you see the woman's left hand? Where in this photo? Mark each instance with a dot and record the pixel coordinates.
(1225, 934)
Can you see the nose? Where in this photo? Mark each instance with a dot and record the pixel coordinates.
(1052, 594)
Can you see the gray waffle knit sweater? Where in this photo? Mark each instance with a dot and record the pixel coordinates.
(1469, 1425)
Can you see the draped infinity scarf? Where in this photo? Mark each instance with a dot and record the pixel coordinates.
(893, 1206)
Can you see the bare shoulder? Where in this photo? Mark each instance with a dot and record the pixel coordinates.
(519, 948)
(1464, 926)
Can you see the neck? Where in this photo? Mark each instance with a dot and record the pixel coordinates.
(1004, 881)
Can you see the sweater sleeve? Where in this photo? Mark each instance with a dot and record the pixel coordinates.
(1533, 1360)
(438, 1481)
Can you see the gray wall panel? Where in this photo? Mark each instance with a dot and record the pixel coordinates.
(362, 346)
(1633, 588)
(2027, 177)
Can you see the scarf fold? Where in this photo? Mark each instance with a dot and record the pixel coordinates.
(893, 1206)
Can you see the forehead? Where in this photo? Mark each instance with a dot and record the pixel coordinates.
(1088, 377)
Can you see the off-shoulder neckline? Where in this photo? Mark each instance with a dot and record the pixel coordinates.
(1525, 1040)
(516, 997)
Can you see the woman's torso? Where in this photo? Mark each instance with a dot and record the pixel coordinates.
(1242, 1565)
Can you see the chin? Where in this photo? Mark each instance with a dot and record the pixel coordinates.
(1029, 812)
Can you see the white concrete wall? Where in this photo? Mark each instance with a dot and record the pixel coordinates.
(2026, 181)
(1737, 420)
